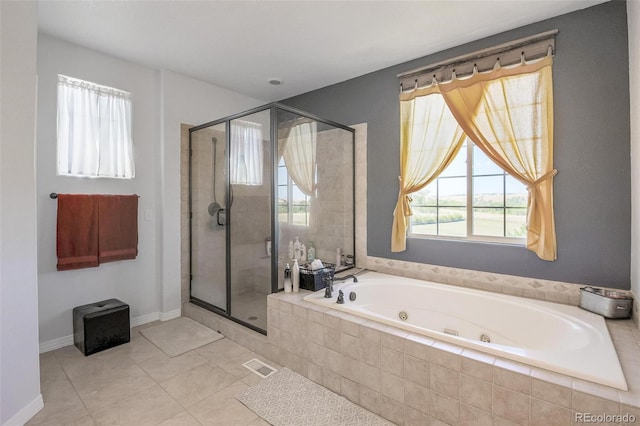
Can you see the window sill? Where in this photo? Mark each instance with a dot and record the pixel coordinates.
(513, 242)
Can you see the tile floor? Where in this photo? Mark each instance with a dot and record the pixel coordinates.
(137, 384)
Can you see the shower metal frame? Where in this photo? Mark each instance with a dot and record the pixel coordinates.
(275, 228)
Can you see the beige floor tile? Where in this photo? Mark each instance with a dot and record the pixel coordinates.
(162, 368)
(68, 355)
(138, 349)
(180, 335)
(252, 379)
(50, 368)
(102, 390)
(198, 383)
(148, 407)
(223, 408)
(84, 421)
(62, 405)
(99, 364)
(223, 349)
(229, 356)
(183, 418)
(137, 384)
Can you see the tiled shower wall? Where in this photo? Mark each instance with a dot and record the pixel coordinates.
(331, 212)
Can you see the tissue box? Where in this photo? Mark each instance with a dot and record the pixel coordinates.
(608, 303)
(314, 280)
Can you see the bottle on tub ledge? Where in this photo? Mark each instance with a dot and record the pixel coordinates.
(338, 257)
(297, 248)
(296, 276)
(287, 279)
(311, 252)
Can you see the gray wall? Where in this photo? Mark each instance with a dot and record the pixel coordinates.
(592, 188)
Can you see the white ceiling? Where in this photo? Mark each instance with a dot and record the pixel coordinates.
(307, 44)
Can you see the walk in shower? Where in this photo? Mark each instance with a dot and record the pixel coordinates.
(258, 181)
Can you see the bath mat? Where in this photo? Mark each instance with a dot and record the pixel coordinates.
(180, 335)
(287, 398)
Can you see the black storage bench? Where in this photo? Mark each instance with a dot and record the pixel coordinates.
(101, 325)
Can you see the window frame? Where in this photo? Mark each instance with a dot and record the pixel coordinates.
(68, 146)
(290, 204)
(469, 207)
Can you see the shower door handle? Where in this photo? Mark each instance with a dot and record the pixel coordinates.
(224, 217)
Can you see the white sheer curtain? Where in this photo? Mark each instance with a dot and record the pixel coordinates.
(246, 153)
(94, 130)
(300, 156)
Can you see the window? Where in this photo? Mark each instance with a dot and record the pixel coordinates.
(94, 130)
(473, 198)
(293, 204)
(246, 153)
(508, 114)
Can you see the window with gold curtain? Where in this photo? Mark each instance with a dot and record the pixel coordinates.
(508, 113)
(430, 139)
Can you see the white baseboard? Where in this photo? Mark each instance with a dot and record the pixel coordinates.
(26, 413)
(144, 319)
(58, 343)
(166, 316)
(61, 342)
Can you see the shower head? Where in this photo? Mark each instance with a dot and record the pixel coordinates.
(214, 139)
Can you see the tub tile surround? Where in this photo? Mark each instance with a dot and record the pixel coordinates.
(533, 288)
(412, 379)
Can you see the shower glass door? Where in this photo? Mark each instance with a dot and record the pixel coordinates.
(249, 230)
(207, 201)
(269, 173)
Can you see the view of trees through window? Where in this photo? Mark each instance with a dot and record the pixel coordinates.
(293, 204)
(473, 198)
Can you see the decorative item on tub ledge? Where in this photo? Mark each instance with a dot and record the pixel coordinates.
(313, 279)
(608, 303)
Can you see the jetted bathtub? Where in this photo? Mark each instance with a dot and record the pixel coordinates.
(560, 338)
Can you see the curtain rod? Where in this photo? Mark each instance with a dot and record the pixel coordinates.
(54, 195)
(481, 53)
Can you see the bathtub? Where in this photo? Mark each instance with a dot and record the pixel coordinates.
(560, 338)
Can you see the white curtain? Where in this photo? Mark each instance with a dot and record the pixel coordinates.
(94, 130)
(246, 153)
(300, 156)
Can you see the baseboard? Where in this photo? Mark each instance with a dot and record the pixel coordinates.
(58, 343)
(26, 413)
(166, 316)
(61, 342)
(144, 319)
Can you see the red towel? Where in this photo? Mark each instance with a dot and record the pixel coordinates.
(77, 231)
(118, 227)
